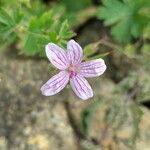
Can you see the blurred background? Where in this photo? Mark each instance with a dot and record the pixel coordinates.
(117, 117)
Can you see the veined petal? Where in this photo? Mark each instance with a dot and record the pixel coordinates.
(93, 68)
(75, 52)
(81, 87)
(55, 84)
(57, 56)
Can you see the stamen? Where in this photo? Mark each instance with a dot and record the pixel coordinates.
(72, 74)
(72, 71)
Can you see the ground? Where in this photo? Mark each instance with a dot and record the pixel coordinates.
(31, 121)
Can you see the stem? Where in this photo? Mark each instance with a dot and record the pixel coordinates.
(111, 45)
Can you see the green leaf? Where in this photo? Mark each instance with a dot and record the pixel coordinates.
(34, 44)
(77, 5)
(31, 45)
(8, 24)
(42, 23)
(121, 31)
(54, 37)
(18, 15)
(90, 49)
(33, 27)
(5, 18)
(124, 17)
(65, 32)
(112, 11)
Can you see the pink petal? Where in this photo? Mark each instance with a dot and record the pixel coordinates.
(93, 68)
(81, 87)
(75, 52)
(55, 84)
(57, 56)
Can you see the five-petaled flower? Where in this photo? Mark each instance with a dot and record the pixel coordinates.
(71, 68)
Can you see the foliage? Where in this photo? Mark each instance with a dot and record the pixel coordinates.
(76, 6)
(32, 28)
(78, 11)
(91, 51)
(127, 18)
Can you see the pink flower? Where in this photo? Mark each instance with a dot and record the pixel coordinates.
(71, 68)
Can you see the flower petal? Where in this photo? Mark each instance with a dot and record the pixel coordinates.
(75, 52)
(93, 68)
(55, 84)
(81, 87)
(57, 56)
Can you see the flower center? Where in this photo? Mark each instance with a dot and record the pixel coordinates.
(73, 70)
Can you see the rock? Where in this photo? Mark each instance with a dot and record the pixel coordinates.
(3, 143)
(99, 130)
(29, 120)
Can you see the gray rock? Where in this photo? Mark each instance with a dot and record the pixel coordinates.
(29, 120)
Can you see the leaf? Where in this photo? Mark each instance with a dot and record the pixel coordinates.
(33, 27)
(65, 32)
(8, 24)
(31, 45)
(18, 15)
(54, 37)
(34, 44)
(5, 18)
(124, 17)
(112, 11)
(42, 23)
(77, 5)
(121, 31)
(90, 48)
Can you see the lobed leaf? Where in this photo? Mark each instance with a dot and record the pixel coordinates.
(125, 17)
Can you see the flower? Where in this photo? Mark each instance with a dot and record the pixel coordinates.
(71, 68)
